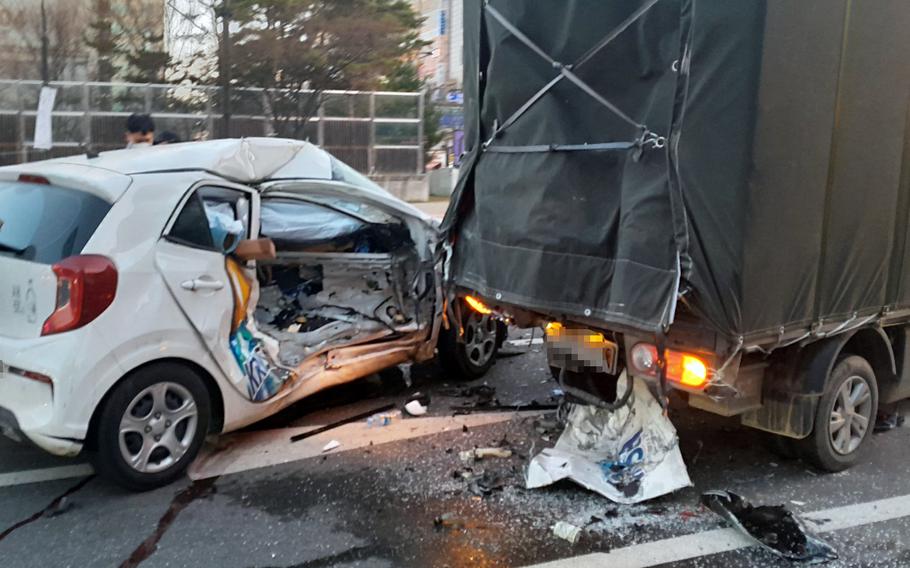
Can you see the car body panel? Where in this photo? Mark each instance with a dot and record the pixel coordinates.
(152, 316)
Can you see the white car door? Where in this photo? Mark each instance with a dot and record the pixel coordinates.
(194, 266)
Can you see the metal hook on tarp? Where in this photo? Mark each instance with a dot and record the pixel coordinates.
(648, 140)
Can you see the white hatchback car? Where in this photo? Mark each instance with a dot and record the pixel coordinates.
(151, 296)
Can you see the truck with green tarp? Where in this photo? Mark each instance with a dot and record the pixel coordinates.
(713, 194)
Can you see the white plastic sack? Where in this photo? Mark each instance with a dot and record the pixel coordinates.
(629, 455)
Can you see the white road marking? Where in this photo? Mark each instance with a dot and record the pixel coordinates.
(247, 451)
(716, 541)
(46, 474)
(525, 342)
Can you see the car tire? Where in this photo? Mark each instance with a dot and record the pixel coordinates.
(151, 426)
(845, 416)
(472, 357)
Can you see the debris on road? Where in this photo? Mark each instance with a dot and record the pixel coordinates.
(775, 528)
(533, 405)
(331, 446)
(383, 419)
(567, 531)
(449, 521)
(628, 455)
(414, 408)
(886, 422)
(58, 508)
(342, 422)
(486, 483)
(468, 456)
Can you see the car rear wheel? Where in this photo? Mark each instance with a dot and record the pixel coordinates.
(845, 416)
(473, 356)
(152, 426)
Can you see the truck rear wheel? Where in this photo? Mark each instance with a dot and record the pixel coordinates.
(845, 416)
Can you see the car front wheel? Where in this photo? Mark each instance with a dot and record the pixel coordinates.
(473, 356)
(151, 426)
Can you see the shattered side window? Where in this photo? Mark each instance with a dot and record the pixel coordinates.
(213, 218)
(294, 223)
(191, 227)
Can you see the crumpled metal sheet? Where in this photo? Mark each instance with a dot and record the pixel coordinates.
(629, 455)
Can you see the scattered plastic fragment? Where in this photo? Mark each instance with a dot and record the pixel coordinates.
(383, 419)
(567, 531)
(449, 521)
(773, 527)
(331, 446)
(414, 408)
(468, 456)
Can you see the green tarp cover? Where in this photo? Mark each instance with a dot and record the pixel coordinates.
(747, 154)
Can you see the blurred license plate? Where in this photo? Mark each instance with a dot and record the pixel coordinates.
(578, 349)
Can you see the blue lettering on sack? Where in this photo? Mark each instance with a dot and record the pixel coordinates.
(627, 467)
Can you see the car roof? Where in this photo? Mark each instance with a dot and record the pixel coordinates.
(243, 160)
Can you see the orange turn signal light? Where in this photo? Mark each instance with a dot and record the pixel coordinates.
(685, 369)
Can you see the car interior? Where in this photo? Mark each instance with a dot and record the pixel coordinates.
(344, 273)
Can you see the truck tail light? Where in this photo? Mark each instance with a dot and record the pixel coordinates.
(685, 369)
(86, 286)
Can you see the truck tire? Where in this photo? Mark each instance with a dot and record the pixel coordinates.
(845, 416)
(151, 426)
(471, 358)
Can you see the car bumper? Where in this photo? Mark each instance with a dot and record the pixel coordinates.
(9, 427)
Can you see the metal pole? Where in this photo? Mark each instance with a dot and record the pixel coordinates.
(86, 116)
(23, 152)
(209, 113)
(420, 151)
(45, 71)
(371, 150)
(148, 99)
(267, 128)
(320, 127)
(225, 67)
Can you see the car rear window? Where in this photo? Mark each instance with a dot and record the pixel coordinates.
(45, 223)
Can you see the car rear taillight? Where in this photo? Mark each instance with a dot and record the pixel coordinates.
(86, 286)
(685, 369)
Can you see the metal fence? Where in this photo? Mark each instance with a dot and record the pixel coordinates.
(375, 132)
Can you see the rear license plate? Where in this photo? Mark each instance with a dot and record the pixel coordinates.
(582, 349)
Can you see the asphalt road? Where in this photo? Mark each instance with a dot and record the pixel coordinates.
(375, 505)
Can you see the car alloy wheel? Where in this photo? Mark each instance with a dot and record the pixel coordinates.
(850, 416)
(158, 427)
(479, 338)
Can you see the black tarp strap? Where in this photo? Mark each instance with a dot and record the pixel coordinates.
(566, 72)
(537, 148)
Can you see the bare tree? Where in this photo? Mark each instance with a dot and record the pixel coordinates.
(20, 39)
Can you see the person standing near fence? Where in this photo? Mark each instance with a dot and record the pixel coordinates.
(140, 131)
